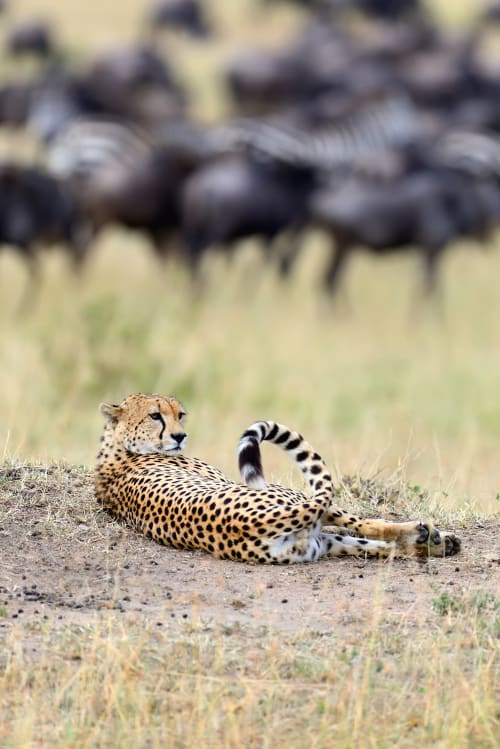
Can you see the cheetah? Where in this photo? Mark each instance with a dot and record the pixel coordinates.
(142, 477)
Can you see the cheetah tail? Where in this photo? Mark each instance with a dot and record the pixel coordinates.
(310, 463)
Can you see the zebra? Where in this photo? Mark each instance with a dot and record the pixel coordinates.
(473, 152)
(389, 124)
(124, 175)
(88, 149)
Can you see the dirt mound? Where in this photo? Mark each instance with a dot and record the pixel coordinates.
(66, 561)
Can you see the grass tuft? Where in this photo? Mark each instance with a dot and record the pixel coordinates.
(138, 686)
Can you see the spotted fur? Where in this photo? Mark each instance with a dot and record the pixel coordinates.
(142, 477)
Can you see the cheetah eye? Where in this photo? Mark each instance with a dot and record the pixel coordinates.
(156, 416)
(181, 416)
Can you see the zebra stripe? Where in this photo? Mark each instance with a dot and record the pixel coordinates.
(86, 148)
(477, 153)
(390, 124)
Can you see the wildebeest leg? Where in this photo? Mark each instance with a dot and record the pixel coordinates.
(79, 246)
(287, 249)
(429, 290)
(334, 296)
(165, 245)
(333, 274)
(193, 250)
(32, 286)
(430, 281)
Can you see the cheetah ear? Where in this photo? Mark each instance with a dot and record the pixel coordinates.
(110, 411)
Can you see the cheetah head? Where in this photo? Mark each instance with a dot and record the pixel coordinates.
(145, 424)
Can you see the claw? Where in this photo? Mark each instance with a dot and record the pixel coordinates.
(448, 546)
(423, 533)
(452, 544)
(436, 537)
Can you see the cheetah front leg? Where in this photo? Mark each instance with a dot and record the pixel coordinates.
(411, 536)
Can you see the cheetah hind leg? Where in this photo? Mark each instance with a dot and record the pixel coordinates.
(411, 536)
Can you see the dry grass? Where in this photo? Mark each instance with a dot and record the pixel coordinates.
(376, 388)
(123, 686)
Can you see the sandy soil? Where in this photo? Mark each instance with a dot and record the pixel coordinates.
(64, 561)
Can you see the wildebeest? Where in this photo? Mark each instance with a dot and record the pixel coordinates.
(35, 38)
(37, 211)
(124, 176)
(239, 197)
(181, 15)
(426, 209)
(135, 84)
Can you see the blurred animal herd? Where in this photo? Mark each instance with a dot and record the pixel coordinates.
(373, 123)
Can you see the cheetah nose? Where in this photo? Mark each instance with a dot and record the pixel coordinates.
(178, 437)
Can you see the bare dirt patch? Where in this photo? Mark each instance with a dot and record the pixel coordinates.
(64, 561)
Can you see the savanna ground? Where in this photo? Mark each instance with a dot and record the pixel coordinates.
(109, 640)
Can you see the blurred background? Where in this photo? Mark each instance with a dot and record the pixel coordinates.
(270, 209)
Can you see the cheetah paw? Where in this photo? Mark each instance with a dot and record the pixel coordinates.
(431, 542)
